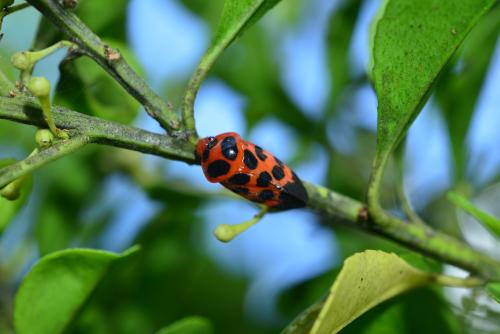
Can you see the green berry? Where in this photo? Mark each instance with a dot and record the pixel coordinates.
(21, 60)
(44, 137)
(39, 86)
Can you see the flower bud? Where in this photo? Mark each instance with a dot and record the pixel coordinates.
(39, 86)
(21, 60)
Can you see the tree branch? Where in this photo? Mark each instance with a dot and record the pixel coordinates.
(111, 61)
(27, 110)
(57, 150)
(336, 207)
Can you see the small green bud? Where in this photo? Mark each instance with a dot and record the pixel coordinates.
(44, 137)
(39, 86)
(21, 60)
(12, 191)
(6, 3)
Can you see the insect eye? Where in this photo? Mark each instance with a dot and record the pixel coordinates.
(211, 142)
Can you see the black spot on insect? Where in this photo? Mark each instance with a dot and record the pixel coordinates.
(206, 153)
(278, 172)
(229, 148)
(294, 195)
(218, 168)
(240, 190)
(197, 158)
(264, 179)
(212, 141)
(260, 154)
(249, 159)
(265, 195)
(239, 179)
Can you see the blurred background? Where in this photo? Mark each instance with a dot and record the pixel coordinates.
(295, 84)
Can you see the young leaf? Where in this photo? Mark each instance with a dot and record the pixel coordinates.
(237, 15)
(411, 42)
(189, 325)
(56, 288)
(366, 279)
(490, 222)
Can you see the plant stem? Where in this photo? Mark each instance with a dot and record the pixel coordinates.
(111, 61)
(193, 87)
(336, 207)
(57, 150)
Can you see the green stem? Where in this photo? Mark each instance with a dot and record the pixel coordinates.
(27, 110)
(111, 61)
(226, 233)
(193, 87)
(421, 238)
(12, 9)
(57, 150)
(336, 207)
(469, 282)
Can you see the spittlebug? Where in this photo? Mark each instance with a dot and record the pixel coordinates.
(250, 171)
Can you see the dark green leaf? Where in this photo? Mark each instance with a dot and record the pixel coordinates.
(56, 288)
(189, 325)
(411, 43)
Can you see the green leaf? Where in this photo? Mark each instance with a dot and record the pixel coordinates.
(411, 42)
(494, 291)
(398, 315)
(57, 287)
(489, 221)
(366, 280)
(189, 325)
(238, 15)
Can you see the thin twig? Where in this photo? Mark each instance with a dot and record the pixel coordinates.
(110, 60)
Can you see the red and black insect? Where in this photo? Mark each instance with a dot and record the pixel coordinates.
(250, 171)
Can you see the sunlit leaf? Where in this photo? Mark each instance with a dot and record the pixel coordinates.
(411, 42)
(366, 280)
(490, 222)
(237, 15)
(189, 325)
(57, 287)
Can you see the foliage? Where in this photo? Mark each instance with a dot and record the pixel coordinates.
(67, 257)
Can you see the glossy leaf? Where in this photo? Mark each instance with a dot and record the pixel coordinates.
(366, 280)
(411, 42)
(57, 287)
(238, 15)
(189, 325)
(490, 222)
